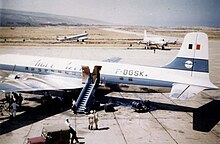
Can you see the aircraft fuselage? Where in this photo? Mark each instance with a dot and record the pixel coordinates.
(111, 73)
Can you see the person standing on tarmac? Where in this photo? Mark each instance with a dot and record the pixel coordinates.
(91, 121)
(13, 108)
(72, 132)
(96, 119)
(74, 106)
(20, 99)
(16, 97)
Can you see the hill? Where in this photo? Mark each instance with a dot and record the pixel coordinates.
(22, 18)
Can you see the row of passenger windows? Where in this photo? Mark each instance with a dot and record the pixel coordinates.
(66, 72)
(47, 70)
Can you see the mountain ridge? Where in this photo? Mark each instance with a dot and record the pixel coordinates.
(10, 17)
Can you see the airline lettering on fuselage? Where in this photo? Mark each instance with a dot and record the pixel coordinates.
(127, 72)
(44, 64)
(69, 66)
(40, 63)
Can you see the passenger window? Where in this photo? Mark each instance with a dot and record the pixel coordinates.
(130, 79)
(121, 78)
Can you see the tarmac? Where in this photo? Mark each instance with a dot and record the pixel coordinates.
(169, 121)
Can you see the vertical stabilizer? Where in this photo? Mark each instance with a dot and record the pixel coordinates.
(195, 45)
(145, 35)
(193, 54)
(192, 66)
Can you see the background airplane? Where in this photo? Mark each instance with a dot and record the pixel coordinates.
(79, 37)
(158, 42)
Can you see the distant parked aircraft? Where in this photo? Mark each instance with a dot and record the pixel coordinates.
(156, 41)
(79, 37)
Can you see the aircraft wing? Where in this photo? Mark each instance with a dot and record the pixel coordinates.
(142, 42)
(30, 82)
(183, 91)
(61, 39)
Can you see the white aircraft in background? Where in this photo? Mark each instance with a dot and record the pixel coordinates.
(155, 41)
(79, 37)
(186, 75)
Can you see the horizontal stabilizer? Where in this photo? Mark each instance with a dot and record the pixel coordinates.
(183, 91)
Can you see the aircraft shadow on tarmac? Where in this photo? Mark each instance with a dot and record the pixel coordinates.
(204, 117)
(32, 115)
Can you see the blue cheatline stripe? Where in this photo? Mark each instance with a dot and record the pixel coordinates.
(198, 65)
(112, 79)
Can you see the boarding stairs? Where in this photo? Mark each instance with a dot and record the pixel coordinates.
(86, 96)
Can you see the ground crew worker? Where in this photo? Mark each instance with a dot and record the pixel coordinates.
(14, 108)
(74, 106)
(20, 99)
(72, 132)
(90, 117)
(16, 97)
(9, 100)
(96, 119)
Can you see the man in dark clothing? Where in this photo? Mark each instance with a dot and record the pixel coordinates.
(20, 99)
(16, 97)
(73, 106)
(72, 132)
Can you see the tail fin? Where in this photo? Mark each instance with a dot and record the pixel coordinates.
(193, 54)
(193, 59)
(145, 35)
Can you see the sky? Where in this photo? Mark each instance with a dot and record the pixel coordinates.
(169, 13)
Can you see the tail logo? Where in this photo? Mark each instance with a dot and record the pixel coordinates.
(188, 64)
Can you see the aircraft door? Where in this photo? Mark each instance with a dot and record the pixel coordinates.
(85, 73)
(96, 74)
